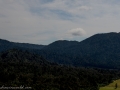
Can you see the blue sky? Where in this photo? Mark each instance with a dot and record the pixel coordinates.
(45, 21)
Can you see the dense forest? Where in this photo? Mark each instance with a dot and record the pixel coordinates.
(25, 69)
(99, 50)
(6, 45)
(61, 65)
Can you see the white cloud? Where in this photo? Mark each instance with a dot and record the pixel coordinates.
(77, 32)
(85, 8)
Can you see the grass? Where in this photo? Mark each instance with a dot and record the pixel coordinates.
(111, 86)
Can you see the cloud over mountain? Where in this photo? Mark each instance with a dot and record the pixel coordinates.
(77, 32)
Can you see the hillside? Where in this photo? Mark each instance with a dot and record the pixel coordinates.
(19, 67)
(6, 45)
(19, 56)
(112, 86)
(100, 50)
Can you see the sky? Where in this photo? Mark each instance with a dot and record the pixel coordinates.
(46, 21)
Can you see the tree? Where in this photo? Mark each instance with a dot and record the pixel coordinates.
(116, 86)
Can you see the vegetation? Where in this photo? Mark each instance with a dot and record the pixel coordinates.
(112, 86)
(19, 67)
(6, 45)
(100, 50)
(86, 65)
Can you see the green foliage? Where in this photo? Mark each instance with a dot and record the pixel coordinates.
(100, 50)
(115, 85)
(23, 68)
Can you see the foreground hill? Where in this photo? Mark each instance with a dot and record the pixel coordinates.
(100, 50)
(112, 86)
(23, 69)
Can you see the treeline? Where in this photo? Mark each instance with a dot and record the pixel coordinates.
(6, 45)
(99, 50)
(29, 70)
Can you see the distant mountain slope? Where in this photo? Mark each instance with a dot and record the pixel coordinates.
(19, 56)
(6, 45)
(58, 51)
(100, 50)
(61, 44)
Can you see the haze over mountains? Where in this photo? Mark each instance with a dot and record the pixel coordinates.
(100, 50)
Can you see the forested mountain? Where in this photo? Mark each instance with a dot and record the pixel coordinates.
(61, 44)
(100, 50)
(6, 45)
(20, 56)
(24, 69)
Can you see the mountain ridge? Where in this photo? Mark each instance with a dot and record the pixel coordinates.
(5, 45)
(99, 50)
